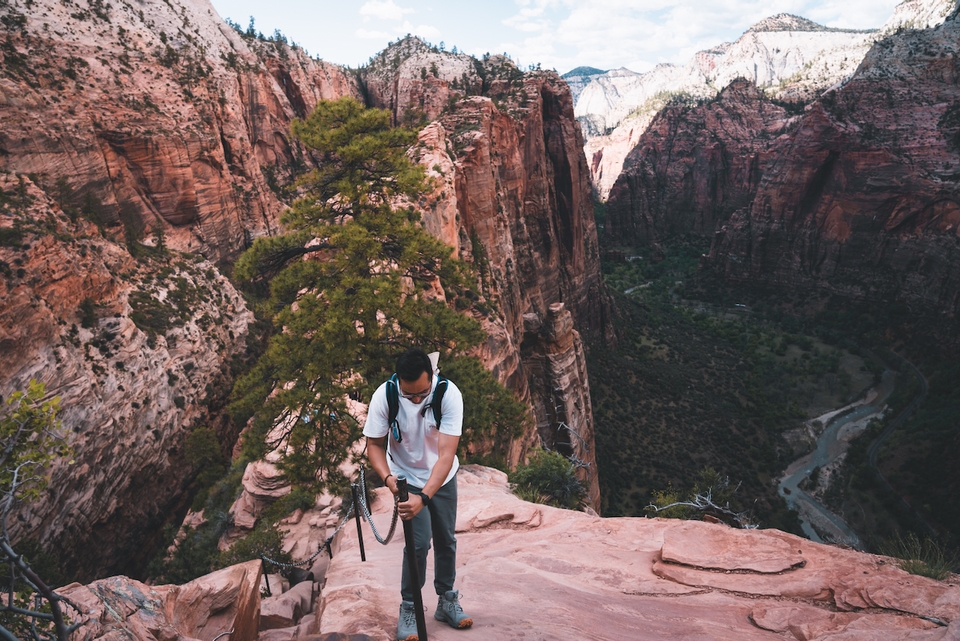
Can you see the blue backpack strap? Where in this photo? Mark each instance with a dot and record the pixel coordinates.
(436, 403)
(393, 407)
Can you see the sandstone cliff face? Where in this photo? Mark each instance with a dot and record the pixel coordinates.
(862, 201)
(162, 112)
(694, 166)
(138, 353)
(782, 49)
(512, 194)
(160, 123)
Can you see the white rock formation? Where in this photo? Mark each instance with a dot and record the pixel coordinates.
(791, 57)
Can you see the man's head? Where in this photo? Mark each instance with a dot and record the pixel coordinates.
(415, 372)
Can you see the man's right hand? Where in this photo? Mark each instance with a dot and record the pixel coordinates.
(391, 483)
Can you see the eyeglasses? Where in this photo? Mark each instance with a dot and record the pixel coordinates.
(421, 394)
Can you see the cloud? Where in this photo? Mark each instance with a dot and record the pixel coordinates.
(614, 33)
(383, 10)
(422, 30)
(372, 35)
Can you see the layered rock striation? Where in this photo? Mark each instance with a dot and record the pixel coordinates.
(862, 200)
(132, 133)
(137, 350)
(162, 113)
(694, 166)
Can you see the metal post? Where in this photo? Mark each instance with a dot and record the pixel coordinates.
(411, 548)
(356, 513)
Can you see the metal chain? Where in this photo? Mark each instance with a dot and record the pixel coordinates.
(343, 522)
(366, 511)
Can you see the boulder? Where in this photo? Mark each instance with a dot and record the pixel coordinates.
(122, 608)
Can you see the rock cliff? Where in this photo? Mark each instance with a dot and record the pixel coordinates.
(512, 194)
(787, 56)
(694, 166)
(127, 126)
(862, 200)
(162, 112)
(138, 351)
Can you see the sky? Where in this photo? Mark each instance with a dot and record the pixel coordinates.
(558, 34)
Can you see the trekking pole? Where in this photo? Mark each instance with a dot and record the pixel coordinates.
(356, 512)
(412, 562)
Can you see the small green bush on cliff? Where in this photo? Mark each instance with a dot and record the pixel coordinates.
(29, 442)
(548, 478)
(924, 557)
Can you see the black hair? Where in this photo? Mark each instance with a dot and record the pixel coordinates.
(412, 364)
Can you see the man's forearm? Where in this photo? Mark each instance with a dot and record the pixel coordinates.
(448, 452)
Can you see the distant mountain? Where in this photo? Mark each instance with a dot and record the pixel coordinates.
(790, 57)
(582, 71)
(579, 78)
(790, 22)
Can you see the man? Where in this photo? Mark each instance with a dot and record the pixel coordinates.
(427, 455)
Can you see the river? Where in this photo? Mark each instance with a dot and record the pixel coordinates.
(841, 425)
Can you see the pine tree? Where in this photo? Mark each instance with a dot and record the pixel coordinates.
(354, 280)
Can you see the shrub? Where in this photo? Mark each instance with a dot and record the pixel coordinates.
(925, 558)
(548, 478)
(88, 313)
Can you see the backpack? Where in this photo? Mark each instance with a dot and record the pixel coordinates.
(393, 404)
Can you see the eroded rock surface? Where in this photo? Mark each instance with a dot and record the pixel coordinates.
(693, 167)
(159, 124)
(138, 352)
(790, 57)
(121, 608)
(161, 112)
(529, 570)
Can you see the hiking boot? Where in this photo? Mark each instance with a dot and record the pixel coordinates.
(407, 623)
(449, 610)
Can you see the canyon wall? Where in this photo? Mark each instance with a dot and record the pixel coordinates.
(137, 350)
(133, 132)
(143, 148)
(862, 201)
(789, 57)
(512, 195)
(694, 166)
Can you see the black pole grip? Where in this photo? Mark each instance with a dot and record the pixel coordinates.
(402, 493)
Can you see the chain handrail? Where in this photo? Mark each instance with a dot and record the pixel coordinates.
(346, 517)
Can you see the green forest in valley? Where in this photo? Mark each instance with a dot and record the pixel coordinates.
(707, 377)
(697, 384)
